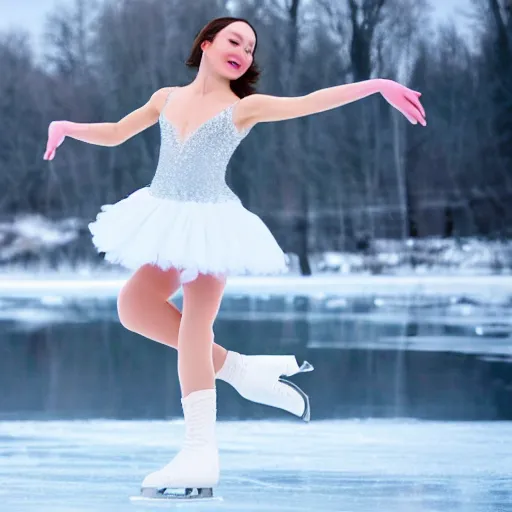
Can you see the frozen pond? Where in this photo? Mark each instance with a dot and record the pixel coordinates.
(411, 398)
(329, 466)
(433, 349)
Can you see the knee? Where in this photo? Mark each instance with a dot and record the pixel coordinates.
(137, 289)
(126, 306)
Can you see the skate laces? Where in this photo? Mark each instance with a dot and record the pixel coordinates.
(232, 368)
(200, 424)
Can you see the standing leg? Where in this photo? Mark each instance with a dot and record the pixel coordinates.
(196, 466)
(201, 302)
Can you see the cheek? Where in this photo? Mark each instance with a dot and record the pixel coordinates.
(223, 56)
(219, 60)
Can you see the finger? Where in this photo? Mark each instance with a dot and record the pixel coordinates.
(419, 106)
(409, 114)
(49, 150)
(414, 110)
(49, 145)
(413, 103)
(416, 102)
(418, 119)
(405, 109)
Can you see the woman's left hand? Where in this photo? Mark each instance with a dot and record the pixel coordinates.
(405, 100)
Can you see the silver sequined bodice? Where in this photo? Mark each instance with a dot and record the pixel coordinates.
(195, 169)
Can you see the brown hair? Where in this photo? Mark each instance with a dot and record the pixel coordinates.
(243, 86)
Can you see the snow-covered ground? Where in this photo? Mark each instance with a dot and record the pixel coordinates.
(33, 246)
(331, 466)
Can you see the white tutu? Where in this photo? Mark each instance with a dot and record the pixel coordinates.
(211, 238)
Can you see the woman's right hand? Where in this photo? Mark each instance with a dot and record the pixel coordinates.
(56, 136)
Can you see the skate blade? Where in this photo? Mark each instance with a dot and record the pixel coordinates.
(306, 416)
(306, 367)
(163, 496)
(153, 503)
(291, 366)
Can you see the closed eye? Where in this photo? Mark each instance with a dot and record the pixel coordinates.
(236, 43)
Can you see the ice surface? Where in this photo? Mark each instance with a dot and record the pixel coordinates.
(356, 466)
(344, 465)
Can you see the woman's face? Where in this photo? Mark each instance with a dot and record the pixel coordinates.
(233, 43)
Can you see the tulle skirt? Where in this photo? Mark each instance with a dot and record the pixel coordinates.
(209, 238)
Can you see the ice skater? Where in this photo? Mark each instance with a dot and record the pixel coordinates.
(187, 228)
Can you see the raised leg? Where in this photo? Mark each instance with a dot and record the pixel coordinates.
(143, 308)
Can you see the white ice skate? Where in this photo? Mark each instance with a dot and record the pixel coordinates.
(261, 379)
(194, 471)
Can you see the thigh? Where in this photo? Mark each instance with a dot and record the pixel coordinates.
(151, 278)
(203, 296)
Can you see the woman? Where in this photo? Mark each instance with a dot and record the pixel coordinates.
(187, 228)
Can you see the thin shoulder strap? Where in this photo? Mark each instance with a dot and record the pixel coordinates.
(169, 95)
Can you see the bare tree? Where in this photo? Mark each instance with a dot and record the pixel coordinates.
(333, 181)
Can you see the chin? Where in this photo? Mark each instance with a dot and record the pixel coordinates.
(231, 77)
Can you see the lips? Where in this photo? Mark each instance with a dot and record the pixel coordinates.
(234, 61)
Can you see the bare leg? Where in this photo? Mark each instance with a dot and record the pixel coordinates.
(143, 308)
(196, 465)
(201, 302)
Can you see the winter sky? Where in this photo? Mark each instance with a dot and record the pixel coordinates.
(30, 14)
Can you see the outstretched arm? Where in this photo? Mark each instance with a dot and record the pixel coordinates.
(259, 108)
(107, 134)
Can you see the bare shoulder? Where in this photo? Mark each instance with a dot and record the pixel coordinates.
(159, 97)
(263, 108)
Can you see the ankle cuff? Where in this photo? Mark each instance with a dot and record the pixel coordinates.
(197, 396)
(228, 370)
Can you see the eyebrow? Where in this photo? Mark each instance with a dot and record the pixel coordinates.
(241, 37)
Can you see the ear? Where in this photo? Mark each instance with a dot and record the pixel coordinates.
(205, 45)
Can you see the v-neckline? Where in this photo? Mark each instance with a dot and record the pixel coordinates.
(177, 136)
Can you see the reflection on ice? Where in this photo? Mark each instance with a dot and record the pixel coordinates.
(392, 348)
(459, 345)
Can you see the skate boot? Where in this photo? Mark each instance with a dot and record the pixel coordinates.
(260, 379)
(194, 471)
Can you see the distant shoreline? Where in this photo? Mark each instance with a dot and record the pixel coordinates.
(344, 285)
